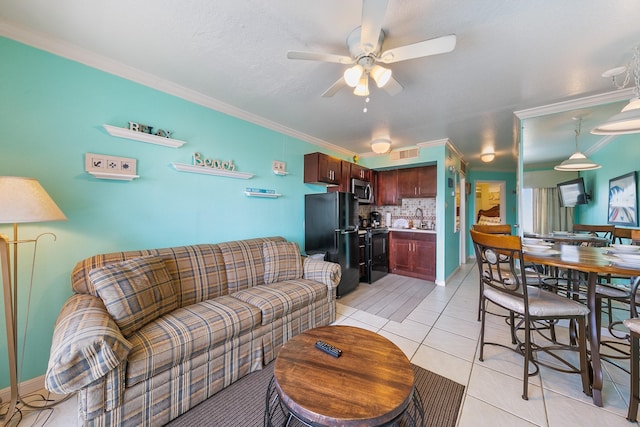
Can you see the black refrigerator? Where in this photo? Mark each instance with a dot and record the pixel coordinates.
(331, 227)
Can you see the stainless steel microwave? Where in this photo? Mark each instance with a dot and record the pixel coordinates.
(362, 190)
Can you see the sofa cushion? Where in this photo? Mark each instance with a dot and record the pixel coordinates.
(243, 262)
(187, 332)
(135, 291)
(282, 261)
(280, 299)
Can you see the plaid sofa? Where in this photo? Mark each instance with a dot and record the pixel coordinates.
(200, 318)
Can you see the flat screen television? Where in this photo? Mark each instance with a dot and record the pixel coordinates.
(572, 193)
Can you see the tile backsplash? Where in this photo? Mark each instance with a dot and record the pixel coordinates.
(406, 211)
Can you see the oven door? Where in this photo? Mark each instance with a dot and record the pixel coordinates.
(378, 255)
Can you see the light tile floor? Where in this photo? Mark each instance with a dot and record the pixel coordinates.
(442, 335)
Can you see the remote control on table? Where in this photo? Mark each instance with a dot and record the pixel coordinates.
(328, 348)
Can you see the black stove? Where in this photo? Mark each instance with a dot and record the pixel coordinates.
(376, 252)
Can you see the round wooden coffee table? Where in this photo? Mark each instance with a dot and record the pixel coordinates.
(370, 384)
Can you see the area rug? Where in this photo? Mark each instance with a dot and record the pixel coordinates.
(242, 404)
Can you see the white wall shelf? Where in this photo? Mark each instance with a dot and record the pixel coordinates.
(143, 137)
(183, 167)
(116, 176)
(281, 173)
(267, 195)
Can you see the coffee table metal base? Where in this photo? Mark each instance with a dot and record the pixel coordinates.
(276, 413)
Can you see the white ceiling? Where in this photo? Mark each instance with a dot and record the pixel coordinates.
(231, 55)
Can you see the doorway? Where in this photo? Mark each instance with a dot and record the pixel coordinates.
(489, 202)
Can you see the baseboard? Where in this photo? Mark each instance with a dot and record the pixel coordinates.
(34, 385)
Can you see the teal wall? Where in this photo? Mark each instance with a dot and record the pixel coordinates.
(619, 157)
(51, 114)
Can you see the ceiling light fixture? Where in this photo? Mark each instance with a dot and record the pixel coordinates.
(362, 89)
(577, 161)
(380, 75)
(488, 156)
(380, 145)
(628, 120)
(353, 75)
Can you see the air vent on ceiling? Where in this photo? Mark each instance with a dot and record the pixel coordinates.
(405, 154)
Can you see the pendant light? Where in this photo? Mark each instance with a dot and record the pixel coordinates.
(628, 120)
(577, 161)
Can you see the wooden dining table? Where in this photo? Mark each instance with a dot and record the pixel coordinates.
(594, 262)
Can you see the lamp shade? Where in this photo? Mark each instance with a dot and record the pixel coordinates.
(24, 200)
(352, 75)
(362, 89)
(626, 121)
(577, 162)
(380, 145)
(381, 75)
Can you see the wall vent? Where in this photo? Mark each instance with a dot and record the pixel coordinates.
(405, 154)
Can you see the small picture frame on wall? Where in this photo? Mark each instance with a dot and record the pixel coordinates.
(623, 200)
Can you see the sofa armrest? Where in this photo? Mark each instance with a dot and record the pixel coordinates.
(328, 273)
(87, 344)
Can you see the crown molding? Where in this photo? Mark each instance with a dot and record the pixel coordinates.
(88, 58)
(576, 104)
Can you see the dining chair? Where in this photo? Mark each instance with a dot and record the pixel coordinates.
(605, 231)
(493, 229)
(504, 282)
(634, 330)
(626, 293)
(621, 235)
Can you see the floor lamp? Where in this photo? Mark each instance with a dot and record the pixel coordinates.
(22, 200)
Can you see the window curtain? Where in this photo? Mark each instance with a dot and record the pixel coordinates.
(548, 216)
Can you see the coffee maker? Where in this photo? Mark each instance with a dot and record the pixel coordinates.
(376, 218)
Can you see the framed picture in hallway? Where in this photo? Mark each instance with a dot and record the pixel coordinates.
(623, 200)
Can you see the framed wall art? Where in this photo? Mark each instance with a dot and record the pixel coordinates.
(623, 200)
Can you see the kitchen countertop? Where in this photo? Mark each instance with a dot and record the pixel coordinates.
(413, 230)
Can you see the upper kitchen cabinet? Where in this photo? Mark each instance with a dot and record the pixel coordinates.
(322, 169)
(387, 188)
(417, 182)
(359, 172)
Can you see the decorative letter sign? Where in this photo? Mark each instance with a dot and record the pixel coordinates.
(138, 127)
(215, 164)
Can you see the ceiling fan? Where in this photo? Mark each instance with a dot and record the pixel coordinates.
(365, 49)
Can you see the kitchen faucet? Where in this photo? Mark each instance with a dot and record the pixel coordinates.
(421, 215)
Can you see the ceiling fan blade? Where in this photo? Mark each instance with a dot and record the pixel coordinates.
(324, 57)
(339, 84)
(393, 87)
(373, 12)
(425, 48)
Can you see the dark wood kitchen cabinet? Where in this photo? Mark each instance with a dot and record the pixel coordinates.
(417, 182)
(413, 254)
(320, 168)
(387, 188)
(359, 172)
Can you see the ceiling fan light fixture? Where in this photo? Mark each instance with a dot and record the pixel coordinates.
(381, 75)
(380, 145)
(353, 75)
(362, 88)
